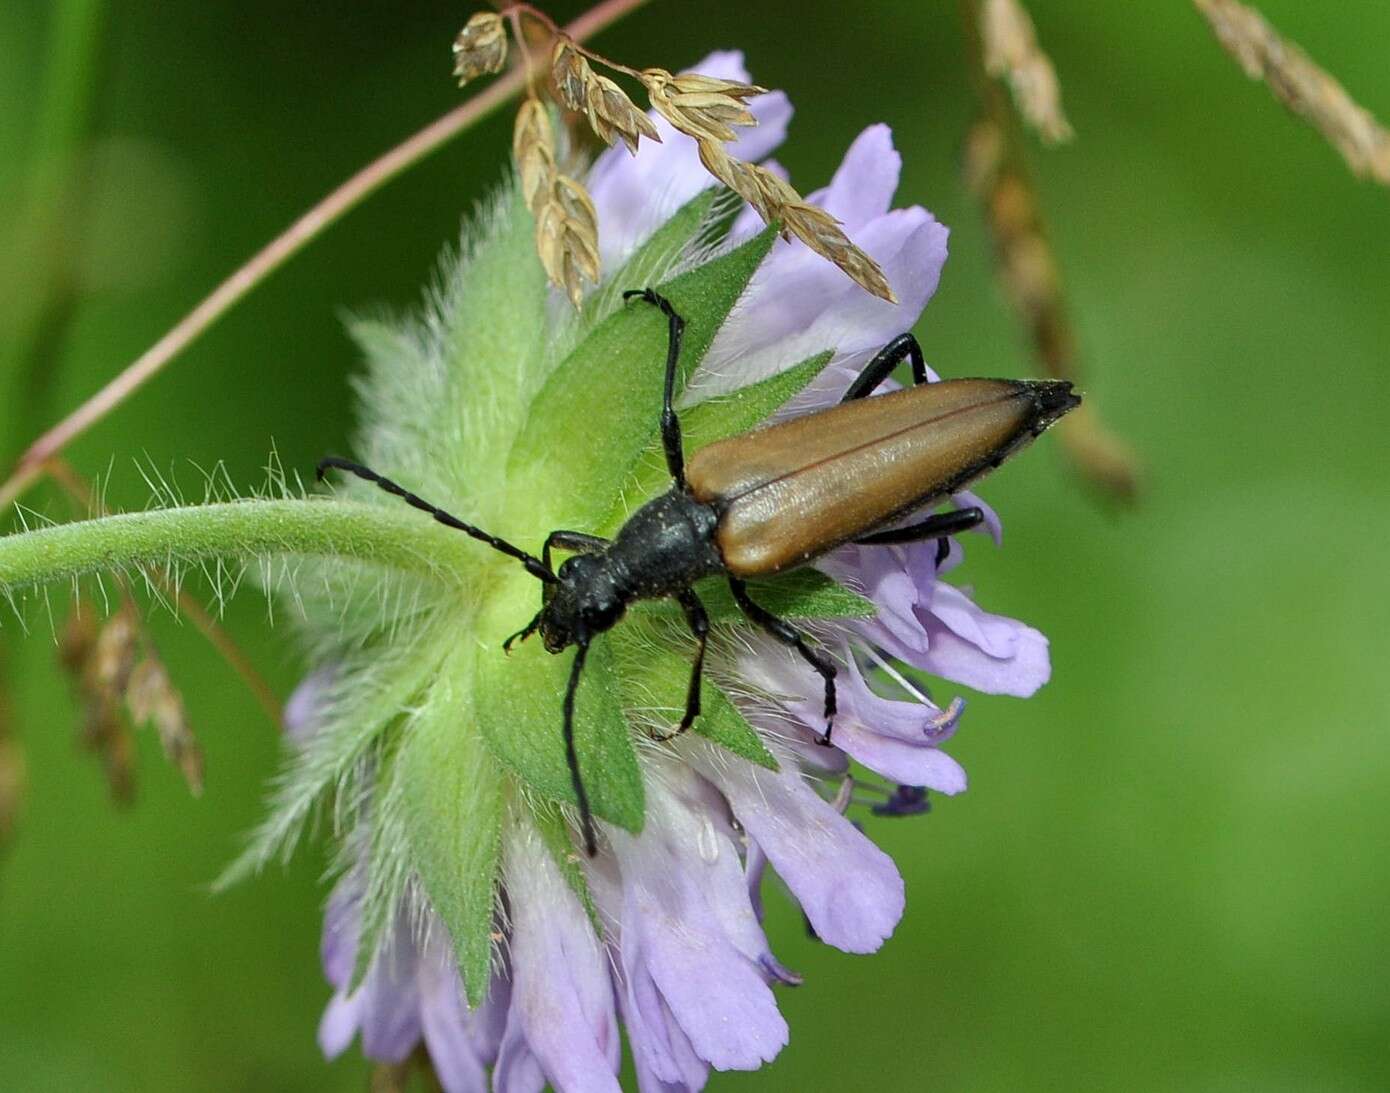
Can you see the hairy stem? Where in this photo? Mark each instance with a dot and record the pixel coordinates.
(279, 250)
(239, 529)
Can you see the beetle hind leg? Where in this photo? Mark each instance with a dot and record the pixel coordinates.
(581, 795)
(903, 347)
(938, 527)
(699, 626)
(789, 635)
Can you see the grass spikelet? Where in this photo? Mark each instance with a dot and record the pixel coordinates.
(1301, 85)
(1012, 53)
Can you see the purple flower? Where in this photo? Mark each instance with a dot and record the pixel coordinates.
(680, 958)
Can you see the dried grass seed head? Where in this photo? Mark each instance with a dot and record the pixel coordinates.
(612, 115)
(533, 149)
(570, 74)
(702, 107)
(481, 47)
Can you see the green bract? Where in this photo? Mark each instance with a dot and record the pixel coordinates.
(519, 417)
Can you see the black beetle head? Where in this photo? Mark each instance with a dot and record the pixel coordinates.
(585, 600)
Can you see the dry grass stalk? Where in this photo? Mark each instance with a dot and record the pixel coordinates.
(1011, 52)
(100, 660)
(481, 47)
(1302, 86)
(115, 665)
(12, 776)
(1030, 276)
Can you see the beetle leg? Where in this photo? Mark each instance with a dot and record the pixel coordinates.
(788, 634)
(534, 566)
(524, 633)
(571, 540)
(903, 347)
(936, 527)
(699, 626)
(586, 816)
(670, 424)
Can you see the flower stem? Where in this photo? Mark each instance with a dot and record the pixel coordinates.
(238, 529)
(279, 250)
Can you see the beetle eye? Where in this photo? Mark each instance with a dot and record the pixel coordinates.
(566, 567)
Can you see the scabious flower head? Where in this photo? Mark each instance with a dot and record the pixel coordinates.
(465, 918)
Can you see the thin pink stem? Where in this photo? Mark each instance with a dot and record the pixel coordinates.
(278, 251)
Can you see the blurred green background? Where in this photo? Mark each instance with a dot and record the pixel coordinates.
(1171, 868)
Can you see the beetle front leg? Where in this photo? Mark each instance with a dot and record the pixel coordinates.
(789, 635)
(571, 540)
(670, 424)
(699, 626)
(586, 816)
(903, 347)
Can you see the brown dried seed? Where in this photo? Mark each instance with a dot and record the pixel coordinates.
(700, 106)
(570, 73)
(612, 114)
(822, 233)
(567, 236)
(151, 697)
(481, 47)
(533, 148)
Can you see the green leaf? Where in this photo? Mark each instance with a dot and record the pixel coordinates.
(520, 711)
(555, 833)
(804, 593)
(655, 677)
(357, 719)
(714, 419)
(744, 409)
(388, 864)
(654, 259)
(453, 817)
(801, 594)
(599, 411)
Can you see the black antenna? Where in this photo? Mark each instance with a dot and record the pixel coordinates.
(534, 565)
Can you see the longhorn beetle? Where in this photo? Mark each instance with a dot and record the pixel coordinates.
(768, 501)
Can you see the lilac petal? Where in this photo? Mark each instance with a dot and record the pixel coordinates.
(635, 195)
(850, 889)
(686, 909)
(390, 999)
(990, 653)
(659, 1044)
(797, 306)
(341, 929)
(446, 1023)
(966, 499)
(339, 1024)
(755, 864)
(897, 739)
(300, 716)
(897, 579)
(518, 1070)
(562, 1011)
(866, 181)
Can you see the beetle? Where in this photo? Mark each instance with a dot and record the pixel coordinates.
(768, 501)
